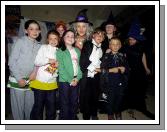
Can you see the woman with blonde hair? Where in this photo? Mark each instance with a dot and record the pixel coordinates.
(82, 27)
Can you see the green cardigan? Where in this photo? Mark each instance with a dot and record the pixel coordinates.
(65, 67)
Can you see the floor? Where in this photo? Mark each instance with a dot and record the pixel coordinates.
(126, 115)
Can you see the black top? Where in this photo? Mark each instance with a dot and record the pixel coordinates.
(134, 56)
(115, 60)
(85, 54)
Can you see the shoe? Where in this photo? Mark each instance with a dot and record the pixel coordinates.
(95, 118)
(118, 116)
(76, 118)
(132, 113)
(111, 117)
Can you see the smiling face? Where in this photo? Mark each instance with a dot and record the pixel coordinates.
(115, 45)
(33, 31)
(53, 40)
(110, 29)
(69, 38)
(81, 28)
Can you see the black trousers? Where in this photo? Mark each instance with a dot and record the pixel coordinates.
(47, 99)
(115, 99)
(68, 101)
(89, 97)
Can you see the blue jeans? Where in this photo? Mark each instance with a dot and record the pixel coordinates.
(47, 99)
(68, 101)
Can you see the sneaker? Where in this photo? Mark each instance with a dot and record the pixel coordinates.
(95, 118)
(118, 116)
(111, 117)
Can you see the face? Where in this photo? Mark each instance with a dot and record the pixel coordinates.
(110, 29)
(132, 41)
(114, 46)
(81, 28)
(69, 38)
(60, 29)
(33, 31)
(53, 40)
(98, 37)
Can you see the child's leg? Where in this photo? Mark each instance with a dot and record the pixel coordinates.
(87, 99)
(110, 111)
(94, 96)
(50, 105)
(29, 101)
(119, 93)
(64, 101)
(111, 102)
(38, 107)
(73, 102)
(17, 104)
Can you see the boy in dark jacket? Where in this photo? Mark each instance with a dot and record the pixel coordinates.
(114, 71)
(90, 60)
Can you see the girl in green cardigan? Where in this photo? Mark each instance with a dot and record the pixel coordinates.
(69, 76)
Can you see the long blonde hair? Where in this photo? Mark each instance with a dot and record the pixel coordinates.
(89, 30)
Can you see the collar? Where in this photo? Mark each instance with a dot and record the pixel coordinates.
(52, 47)
(35, 41)
(97, 45)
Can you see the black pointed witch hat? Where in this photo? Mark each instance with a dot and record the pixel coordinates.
(110, 20)
(82, 17)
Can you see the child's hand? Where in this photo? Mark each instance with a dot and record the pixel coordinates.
(97, 70)
(57, 64)
(51, 61)
(148, 72)
(122, 69)
(74, 82)
(114, 70)
(108, 50)
(22, 82)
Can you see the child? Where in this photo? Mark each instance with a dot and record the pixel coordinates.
(45, 85)
(21, 63)
(109, 27)
(60, 27)
(69, 76)
(136, 57)
(114, 67)
(90, 61)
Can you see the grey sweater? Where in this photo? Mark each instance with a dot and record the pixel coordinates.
(21, 60)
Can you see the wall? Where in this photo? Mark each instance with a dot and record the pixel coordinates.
(96, 14)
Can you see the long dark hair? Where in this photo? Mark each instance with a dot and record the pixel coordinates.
(63, 47)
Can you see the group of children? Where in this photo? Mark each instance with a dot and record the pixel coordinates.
(40, 65)
(82, 71)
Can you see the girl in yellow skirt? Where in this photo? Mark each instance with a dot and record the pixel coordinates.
(45, 84)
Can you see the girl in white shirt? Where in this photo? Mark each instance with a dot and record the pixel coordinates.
(45, 84)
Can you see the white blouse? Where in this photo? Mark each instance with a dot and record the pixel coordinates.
(95, 59)
(74, 58)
